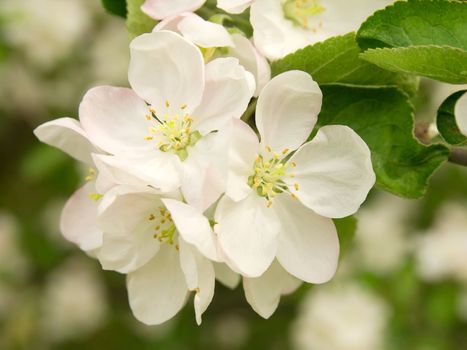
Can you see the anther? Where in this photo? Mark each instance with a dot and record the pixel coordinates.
(167, 104)
(285, 151)
(151, 217)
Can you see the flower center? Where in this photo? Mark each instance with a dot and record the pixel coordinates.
(269, 174)
(172, 133)
(164, 227)
(300, 11)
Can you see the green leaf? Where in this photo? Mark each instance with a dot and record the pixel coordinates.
(346, 228)
(422, 37)
(116, 7)
(137, 21)
(336, 60)
(446, 121)
(384, 119)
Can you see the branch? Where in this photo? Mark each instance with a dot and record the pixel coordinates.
(458, 156)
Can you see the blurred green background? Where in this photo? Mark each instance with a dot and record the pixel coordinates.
(402, 283)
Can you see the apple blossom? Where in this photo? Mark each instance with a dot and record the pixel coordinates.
(162, 131)
(279, 204)
(234, 6)
(160, 9)
(215, 41)
(461, 114)
(164, 245)
(284, 26)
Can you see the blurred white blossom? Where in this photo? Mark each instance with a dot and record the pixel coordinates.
(441, 251)
(341, 317)
(46, 30)
(109, 54)
(74, 302)
(13, 262)
(381, 242)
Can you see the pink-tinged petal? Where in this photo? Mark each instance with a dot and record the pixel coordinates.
(243, 150)
(308, 243)
(167, 71)
(158, 290)
(333, 172)
(200, 277)
(156, 169)
(274, 35)
(287, 110)
(114, 119)
(226, 276)
(460, 112)
(128, 241)
(252, 60)
(79, 218)
(264, 293)
(229, 88)
(247, 233)
(204, 172)
(193, 227)
(234, 6)
(160, 9)
(67, 135)
(204, 33)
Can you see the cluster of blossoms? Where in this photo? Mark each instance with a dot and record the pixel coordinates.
(182, 192)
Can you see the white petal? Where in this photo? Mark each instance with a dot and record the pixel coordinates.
(333, 171)
(247, 233)
(67, 135)
(275, 36)
(114, 119)
(194, 227)
(308, 243)
(264, 293)
(287, 110)
(227, 94)
(157, 169)
(204, 33)
(226, 276)
(234, 6)
(128, 240)
(165, 67)
(243, 149)
(158, 290)
(160, 9)
(252, 60)
(205, 171)
(460, 112)
(200, 277)
(78, 220)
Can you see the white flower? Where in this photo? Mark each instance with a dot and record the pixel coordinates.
(284, 26)
(234, 6)
(160, 9)
(382, 248)
(441, 252)
(461, 114)
(163, 245)
(162, 131)
(215, 41)
(341, 317)
(281, 205)
(73, 303)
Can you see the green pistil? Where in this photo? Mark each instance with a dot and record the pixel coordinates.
(299, 11)
(267, 177)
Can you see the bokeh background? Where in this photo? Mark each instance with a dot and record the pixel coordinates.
(402, 282)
